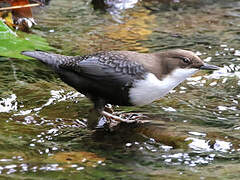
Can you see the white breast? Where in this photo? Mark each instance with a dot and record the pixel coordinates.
(151, 88)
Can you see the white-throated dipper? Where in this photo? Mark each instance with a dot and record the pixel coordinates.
(124, 78)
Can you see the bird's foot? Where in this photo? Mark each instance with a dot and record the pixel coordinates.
(129, 118)
(109, 113)
(118, 118)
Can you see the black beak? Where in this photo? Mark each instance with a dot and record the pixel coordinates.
(206, 66)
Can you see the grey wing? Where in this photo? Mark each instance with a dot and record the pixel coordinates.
(110, 70)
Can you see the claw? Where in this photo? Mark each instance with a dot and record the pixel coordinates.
(126, 118)
(117, 118)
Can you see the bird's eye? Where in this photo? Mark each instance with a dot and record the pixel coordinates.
(185, 60)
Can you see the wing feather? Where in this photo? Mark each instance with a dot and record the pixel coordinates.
(107, 67)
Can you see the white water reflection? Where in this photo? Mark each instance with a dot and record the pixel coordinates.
(201, 145)
(8, 104)
(222, 146)
(225, 71)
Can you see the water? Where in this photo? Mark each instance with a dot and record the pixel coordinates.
(194, 131)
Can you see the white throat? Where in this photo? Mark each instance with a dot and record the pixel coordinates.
(151, 88)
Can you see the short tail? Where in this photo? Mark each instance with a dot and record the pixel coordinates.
(50, 59)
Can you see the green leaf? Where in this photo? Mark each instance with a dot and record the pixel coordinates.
(12, 44)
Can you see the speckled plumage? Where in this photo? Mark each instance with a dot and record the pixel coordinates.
(117, 62)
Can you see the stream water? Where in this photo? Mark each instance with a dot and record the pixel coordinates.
(194, 131)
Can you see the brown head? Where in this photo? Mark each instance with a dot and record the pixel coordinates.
(180, 59)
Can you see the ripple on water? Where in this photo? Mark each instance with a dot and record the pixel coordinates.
(44, 136)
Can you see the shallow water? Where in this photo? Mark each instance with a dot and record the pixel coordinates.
(194, 131)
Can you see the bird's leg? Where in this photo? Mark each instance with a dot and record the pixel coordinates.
(93, 117)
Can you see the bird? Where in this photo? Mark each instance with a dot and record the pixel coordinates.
(123, 78)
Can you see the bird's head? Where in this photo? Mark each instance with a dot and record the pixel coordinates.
(182, 63)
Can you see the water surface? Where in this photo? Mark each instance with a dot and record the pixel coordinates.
(194, 131)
